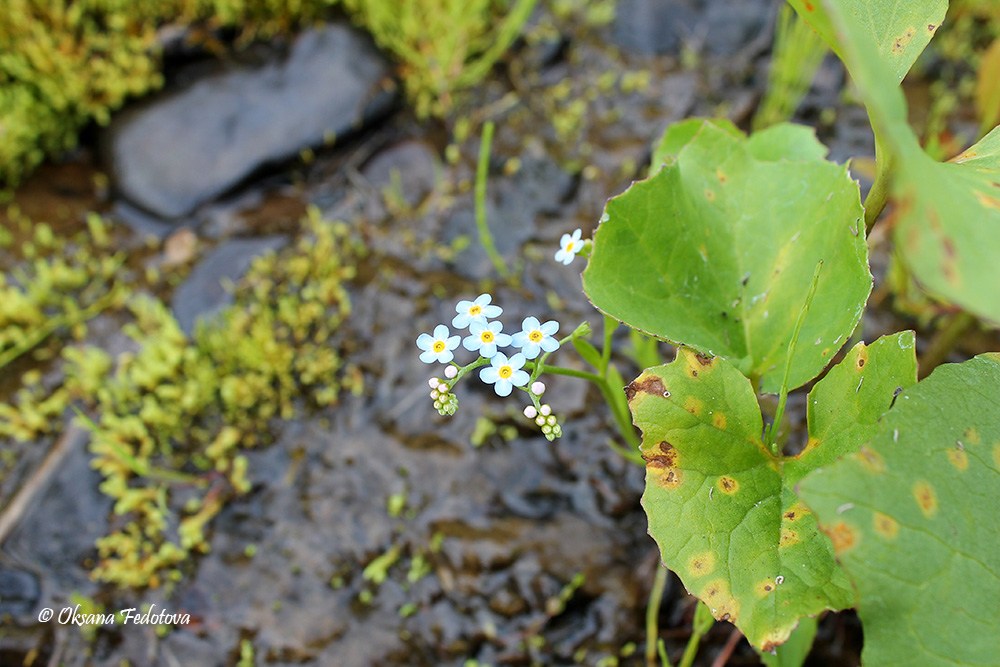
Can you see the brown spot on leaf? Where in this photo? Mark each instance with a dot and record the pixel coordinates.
(719, 421)
(885, 525)
(788, 538)
(926, 498)
(646, 384)
(901, 42)
(795, 512)
(728, 485)
(693, 405)
(709, 195)
(667, 458)
(668, 478)
(862, 359)
(718, 598)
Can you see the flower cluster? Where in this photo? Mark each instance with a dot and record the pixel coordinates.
(531, 344)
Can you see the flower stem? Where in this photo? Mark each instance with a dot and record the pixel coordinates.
(653, 614)
(482, 171)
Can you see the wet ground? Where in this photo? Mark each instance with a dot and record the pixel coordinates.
(478, 542)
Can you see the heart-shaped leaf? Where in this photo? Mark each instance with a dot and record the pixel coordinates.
(721, 506)
(717, 251)
(913, 519)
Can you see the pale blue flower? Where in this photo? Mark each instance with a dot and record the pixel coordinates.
(475, 311)
(439, 346)
(505, 374)
(485, 338)
(569, 246)
(535, 338)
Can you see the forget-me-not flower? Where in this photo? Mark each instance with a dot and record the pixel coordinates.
(505, 374)
(475, 311)
(485, 338)
(439, 346)
(534, 337)
(569, 246)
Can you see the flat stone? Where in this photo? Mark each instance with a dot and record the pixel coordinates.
(654, 27)
(204, 294)
(187, 147)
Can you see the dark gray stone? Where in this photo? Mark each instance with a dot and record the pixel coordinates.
(653, 27)
(409, 170)
(19, 591)
(204, 293)
(185, 148)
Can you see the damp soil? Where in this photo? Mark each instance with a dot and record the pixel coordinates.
(487, 535)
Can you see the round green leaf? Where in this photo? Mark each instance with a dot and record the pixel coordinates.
(717, 251)
(913, 518)
(721, 506)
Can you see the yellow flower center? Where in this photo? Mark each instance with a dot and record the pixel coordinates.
(438, 346)
(535, 336)
(505, 372)
(487, 336)
(570, 246)
(475, 310)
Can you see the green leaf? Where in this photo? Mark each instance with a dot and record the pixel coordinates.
(587, 350)
(945, 231)
(899, 30)
(913, 518)
(678, 135)
(721, 506)
(793, 652)
(947, 213)
(717, 251)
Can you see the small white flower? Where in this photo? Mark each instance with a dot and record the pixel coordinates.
(485, 338)
(439, 346)
(534, 338)
(450, 372)
(479, 310)
(505, 374)
(537, 388)
(530, 412)
(569, 246)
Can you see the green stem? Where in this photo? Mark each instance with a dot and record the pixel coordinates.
(610, 324)
(878, 196)
(482, 171)
(944, 341)
(783, 396)
(653, 614)
(703, 622)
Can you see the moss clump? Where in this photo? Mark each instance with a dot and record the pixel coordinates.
(175, 417)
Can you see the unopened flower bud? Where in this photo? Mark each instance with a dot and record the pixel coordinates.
(433, 383)
(530, 412)
(540, 421)
(538, 388)
(450, 372)
(546, 410)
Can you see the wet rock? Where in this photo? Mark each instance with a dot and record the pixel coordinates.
(19, 591)
(653, 27)
(204, 292)
(407, 171)
(187, 147)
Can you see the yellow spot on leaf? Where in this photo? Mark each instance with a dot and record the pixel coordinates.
(844, 537)
(709, 195)
(901, 42)
(971, 436)
(728, 485)
(870, 460)
(702, 564)
(719, 420)
(996, 454)
(859, 363)
(959, 458)
(721, 176)
(987, 201)
(693, 405)
(795, 512)
(811, 444)
(788, 538)
(926, 498)
(668, 478)
(765, 588)
(718, 598)
(886, 526)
